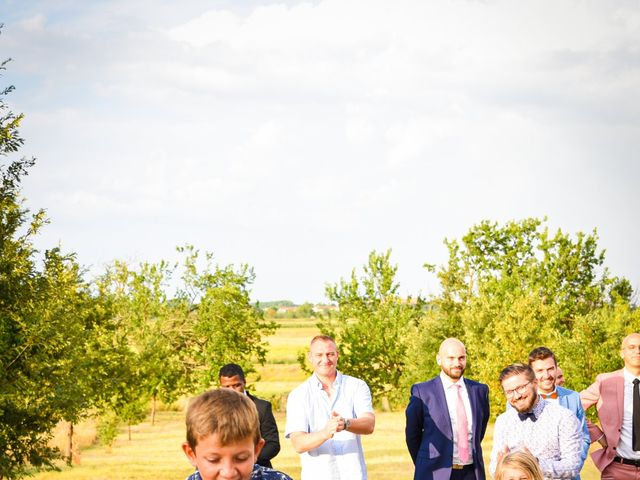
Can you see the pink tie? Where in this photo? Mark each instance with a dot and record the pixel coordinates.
(463, 429)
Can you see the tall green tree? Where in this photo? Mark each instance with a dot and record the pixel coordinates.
(507, 289)
(223, 325)
(47, 320)
(374, 325)
(154, 330)
(177, 340)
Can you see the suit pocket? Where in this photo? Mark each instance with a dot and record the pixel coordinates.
(431, 452)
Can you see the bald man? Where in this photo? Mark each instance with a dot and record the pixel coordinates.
(616, 396)
(446, 420)
(559, 377)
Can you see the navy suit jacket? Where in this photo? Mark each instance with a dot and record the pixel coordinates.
(428, 431)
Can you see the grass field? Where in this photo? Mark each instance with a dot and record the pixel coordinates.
(154, 452)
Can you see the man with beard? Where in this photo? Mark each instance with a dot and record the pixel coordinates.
(544, 365)
(550, 432)
(446, 420)
(559, 376)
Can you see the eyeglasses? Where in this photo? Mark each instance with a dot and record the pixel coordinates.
(519, 390)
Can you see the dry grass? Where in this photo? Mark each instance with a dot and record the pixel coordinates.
(154, 452)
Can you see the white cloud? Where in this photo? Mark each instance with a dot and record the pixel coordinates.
(330, 118)
(210, 27)
(33, 24)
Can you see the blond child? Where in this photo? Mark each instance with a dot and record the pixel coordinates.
(223, 438)
(518, 466)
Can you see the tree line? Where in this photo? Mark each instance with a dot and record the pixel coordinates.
(506, 289)
(110, 346)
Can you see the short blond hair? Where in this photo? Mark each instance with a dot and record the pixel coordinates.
(322, 338)
(522, 461)
(232, 415)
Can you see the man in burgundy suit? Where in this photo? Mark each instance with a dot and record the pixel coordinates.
(616, 396)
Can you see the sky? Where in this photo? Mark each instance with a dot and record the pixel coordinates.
(297, 137)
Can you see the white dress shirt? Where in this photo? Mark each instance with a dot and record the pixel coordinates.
(451, 394)
(625, 446)
(308, 410)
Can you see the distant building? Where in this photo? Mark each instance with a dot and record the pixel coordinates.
(286, 309)
(324, 308)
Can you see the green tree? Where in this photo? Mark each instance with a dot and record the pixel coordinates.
(154, 330)
(510, 288)
(595, 342)
(305, 311)
(373, 326)
(48, 318)
(223, 325)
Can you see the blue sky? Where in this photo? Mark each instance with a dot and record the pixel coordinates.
(299, 136)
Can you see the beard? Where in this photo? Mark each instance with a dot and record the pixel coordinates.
(525, 405)
(454, 373)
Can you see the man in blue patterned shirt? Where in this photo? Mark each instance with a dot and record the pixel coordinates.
(548, 431)
(258, 473)
(223, 438)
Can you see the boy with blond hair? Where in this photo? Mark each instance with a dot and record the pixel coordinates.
(223, 438)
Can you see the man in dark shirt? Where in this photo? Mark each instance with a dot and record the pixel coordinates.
(232, 376)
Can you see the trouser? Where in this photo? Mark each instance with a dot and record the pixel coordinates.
(620, 471)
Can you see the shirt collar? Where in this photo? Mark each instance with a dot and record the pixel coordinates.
(447, 383)
(555, 390)
(336, 383)
(628, 376)
(539, 406)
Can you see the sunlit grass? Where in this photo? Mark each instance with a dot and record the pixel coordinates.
(154, 453)
(287, 342)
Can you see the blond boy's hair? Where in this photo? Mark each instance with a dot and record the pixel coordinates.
(522, 461)
(232, 415)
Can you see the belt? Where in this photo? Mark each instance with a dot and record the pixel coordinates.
(626, 461)
(458, 466)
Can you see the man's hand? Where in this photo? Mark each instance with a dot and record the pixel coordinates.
(334, 424)
(502, 453)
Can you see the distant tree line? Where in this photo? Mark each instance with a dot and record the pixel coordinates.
(287, 309)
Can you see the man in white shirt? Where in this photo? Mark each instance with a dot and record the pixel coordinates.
(326, 416)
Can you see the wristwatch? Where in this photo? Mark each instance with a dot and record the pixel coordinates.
(347, 422)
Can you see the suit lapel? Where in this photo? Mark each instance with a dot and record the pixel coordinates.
(443, 419)
(472, 400)
(563, 399)
(619, 387)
